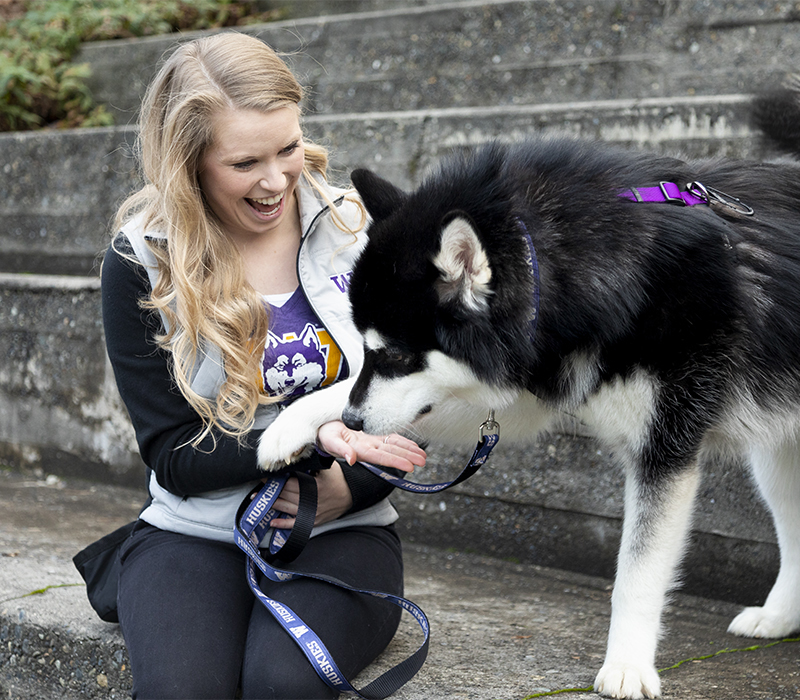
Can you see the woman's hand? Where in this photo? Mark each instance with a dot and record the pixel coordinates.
(383, 451)
(333, 498)
(333, 494)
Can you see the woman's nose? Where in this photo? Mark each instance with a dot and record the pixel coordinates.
(273, 180)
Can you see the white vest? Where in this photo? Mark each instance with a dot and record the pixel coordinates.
(324, 263)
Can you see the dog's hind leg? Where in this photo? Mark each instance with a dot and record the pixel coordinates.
(777, 473)
(655, 531)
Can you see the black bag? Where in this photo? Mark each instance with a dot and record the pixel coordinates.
(99, 565)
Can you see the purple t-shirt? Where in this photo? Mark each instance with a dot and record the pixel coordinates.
(300, 355)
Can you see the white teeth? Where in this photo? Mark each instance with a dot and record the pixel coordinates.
(269, 201)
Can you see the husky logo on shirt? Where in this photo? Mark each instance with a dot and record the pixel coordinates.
(295, 365)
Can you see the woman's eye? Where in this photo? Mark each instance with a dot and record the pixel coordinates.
(244, 165)
(291, 148)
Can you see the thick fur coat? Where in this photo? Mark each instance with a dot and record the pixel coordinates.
(671, 331)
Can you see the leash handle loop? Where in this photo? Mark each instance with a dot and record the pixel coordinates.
(252, 522)
(287, 549)
(253, 519)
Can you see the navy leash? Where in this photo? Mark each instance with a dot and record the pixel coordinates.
(252, 523)
(490, 436)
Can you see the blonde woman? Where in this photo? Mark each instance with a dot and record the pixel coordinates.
(224, 297)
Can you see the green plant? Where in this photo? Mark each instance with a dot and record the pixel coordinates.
(41, 87)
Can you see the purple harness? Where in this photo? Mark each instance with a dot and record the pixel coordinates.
(694, 193)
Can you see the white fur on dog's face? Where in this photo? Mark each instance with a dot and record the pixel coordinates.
(374, 340)
(415, 402)
(394, 403)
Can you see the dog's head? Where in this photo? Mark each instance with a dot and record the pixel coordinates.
(427, 300)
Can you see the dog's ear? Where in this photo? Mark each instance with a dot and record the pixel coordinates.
(464, 267)
(380, 196)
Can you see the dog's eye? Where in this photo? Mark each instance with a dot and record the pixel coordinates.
(396, 363)
(398, 358)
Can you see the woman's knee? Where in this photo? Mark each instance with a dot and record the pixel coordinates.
(270, 679)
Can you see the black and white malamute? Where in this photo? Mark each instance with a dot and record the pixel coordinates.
(530, 279)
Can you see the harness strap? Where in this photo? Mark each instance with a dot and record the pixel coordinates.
(692, 194)
(665, 192)
(533, 266)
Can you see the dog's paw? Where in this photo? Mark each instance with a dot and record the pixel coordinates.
(285, 442)
(759, 622)
(625, 680)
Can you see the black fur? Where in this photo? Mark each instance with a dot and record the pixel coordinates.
(774, 113)
(705, 299)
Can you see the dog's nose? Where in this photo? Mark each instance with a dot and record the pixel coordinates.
(352, 419)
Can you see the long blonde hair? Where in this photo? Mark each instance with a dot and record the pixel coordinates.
(201, 288)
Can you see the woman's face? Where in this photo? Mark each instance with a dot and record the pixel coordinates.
(249, 173)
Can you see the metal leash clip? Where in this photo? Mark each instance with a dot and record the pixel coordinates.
(709, 194)
(490, 425)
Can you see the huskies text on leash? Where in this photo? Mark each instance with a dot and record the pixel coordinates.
(528, 279)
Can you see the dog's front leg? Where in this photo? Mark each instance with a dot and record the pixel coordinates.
(655, 531)
(293, 433)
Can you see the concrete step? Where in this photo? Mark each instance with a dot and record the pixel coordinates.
(62, 189)
(58, 194)
(499, 629)
(296, 9)
(497, 52)
(396, 87)
(404, 145)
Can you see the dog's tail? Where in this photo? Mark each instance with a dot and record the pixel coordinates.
(776, 114)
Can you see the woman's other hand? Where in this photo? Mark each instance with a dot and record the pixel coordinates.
(333, 498)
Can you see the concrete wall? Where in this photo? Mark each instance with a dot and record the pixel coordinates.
(59, 408)
(58, 194)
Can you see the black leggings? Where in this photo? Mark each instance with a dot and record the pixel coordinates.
(194, 629)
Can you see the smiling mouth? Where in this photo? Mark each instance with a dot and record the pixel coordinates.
(268, 206)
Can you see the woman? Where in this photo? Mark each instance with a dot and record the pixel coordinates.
(223, 298)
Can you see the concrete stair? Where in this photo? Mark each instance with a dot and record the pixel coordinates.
(397, 87)
(394, 86)
(478, 53)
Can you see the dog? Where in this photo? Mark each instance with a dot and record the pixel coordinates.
(528, 279)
